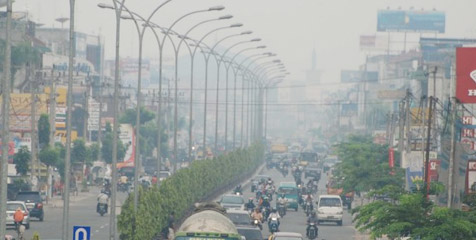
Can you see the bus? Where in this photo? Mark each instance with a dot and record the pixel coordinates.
(307, 157)
(208, 222)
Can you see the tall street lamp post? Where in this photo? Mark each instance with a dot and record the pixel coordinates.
(218, 84)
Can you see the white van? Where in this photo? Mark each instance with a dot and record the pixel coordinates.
(329, 209)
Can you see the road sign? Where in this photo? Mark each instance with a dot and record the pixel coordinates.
(81, 233)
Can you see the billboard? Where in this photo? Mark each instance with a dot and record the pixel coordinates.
(411, 21)
(471, 177)
(352, 76)
(466, 75)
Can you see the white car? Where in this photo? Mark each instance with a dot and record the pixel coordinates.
(12, 206)
(329, 209)
(164, 175)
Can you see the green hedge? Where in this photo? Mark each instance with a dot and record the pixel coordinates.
(179, 192)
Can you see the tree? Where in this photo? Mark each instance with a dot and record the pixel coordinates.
(129, 116)
(79, 152)
(49, 156)
(106, 149)
(364, 165)
(413, 215)
(44, 130)
(94, 152)
(21, 160)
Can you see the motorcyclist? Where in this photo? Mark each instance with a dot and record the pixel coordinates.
(265, 202)
(311, 219)
(309, 201)
(103, 199)
(282, 201)
(257, 215)
(274, 214)
(250, 205)
(238, 189)
(18, 217)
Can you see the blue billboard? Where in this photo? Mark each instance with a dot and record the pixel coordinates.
(411, 21)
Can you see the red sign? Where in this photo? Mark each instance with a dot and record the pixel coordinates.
(470, 183)
(466, 75)
(11, 148)
(467, 133)
(434, 165)
(391, 158)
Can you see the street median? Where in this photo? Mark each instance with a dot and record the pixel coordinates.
(178, 193)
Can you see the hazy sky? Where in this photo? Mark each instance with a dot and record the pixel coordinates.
(290, 28)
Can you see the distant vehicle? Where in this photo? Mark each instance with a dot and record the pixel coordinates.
(256, 181)
(312, 171)
(286, 236)
(239, 217)
(33, 202)
(232, 202)
(290, 191)
(164, 175)
(329, 209)
(279, 148)
(250, 233)
(307, 157)
(12, 206)
(206, 224)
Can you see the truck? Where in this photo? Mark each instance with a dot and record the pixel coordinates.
(279, 148)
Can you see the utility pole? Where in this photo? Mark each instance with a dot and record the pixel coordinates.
(427, 157)
(67, 174)
(52, 108)
(452, 153)
(34, 136)
(5, 120)
(408, 123)
(401, 129)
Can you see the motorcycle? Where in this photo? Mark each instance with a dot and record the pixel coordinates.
(281, 209)
(308, 208)
(273, 225)
(257, 223)
(313, 231)
(102, 209)
(269, 194)
(265, 212)
(258, 194)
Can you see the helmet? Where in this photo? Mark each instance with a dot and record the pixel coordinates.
(313, 214)
(273, 210)
(282, 195)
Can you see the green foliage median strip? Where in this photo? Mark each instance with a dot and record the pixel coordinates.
(186, 187)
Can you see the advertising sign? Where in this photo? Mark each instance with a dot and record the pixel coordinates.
(471, 177)
(413, 176)
(93, 120)
(434, 166)
(391, 94)
(466, 75)
(391, 158)
(20, 110)
(411, 21)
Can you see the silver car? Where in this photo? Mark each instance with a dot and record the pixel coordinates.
(230, 201)
(12, 206)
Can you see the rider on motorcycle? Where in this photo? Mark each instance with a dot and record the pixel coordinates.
(282, 201)
(257, 215)
(250, 205)
(309, 201)
(265, 202)
(103, 199)
(274, 214)
(238, 189)
(311, 219)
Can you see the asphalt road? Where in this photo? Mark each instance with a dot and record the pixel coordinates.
(82, 213)
(296, 221)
